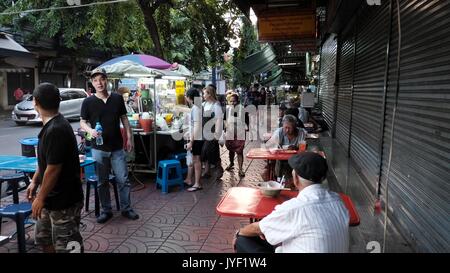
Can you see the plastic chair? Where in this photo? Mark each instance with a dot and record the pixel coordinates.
(182, 158)
(93, 181)
(169, 174)
(18, 213)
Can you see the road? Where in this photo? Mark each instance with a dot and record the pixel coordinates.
(11, 134)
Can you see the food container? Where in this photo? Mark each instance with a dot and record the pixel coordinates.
(270, 188)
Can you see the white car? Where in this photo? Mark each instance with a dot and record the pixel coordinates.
(70, 106)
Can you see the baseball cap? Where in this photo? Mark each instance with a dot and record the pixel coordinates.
(309, 165)
(98, 70)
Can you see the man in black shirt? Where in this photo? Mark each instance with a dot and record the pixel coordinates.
(57, 206)
(109, 110)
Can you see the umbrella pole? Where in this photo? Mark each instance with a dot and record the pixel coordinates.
(154, 124)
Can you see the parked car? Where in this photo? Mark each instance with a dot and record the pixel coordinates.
(70, 106)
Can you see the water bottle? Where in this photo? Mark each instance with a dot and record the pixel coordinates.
(99, 138)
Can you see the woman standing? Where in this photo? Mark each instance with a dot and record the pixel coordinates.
(235, 132)
(212, 130)
(195, 143)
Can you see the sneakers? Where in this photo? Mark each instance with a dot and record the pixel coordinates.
(104, 216)
(130, 214)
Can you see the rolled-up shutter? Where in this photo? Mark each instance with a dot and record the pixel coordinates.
(371, 40)
(327, 79)
(344, 96)
(419, 178)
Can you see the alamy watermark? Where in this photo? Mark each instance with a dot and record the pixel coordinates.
(373, 2)
(231, 125)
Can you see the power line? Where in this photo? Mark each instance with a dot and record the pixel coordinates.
(67, 7)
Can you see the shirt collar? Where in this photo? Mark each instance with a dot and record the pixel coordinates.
(310, 190)
(48, 124)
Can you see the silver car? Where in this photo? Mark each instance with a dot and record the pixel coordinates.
(70, 106)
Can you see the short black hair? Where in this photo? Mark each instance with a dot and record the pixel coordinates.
(192, 93)
(47, 95)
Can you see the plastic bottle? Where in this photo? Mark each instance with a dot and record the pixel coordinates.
(99, 138)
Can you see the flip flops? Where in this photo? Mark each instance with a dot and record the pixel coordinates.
(193, 188)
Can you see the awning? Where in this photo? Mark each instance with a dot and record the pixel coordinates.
(274, 77)
(10, 48)
(5, 67)
(259, 62)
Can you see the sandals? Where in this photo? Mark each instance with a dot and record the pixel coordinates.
(193, 188)
(241, 173)
(229, 168)
(188, 185)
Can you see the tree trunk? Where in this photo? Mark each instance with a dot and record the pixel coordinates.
(150, 23)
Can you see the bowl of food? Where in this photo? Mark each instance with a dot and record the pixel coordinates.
(286, 147)
(270, 188)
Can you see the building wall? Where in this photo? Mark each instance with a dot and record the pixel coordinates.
(398, 95)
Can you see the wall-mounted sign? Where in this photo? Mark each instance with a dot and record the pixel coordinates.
(276, 26)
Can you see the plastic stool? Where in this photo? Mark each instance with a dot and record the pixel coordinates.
(93, 181)
(169, 174)
(182, 158)
(18, 213)
(14, 179)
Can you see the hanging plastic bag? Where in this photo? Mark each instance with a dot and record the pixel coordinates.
(189, 160)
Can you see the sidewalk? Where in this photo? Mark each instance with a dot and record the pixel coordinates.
(5, 114)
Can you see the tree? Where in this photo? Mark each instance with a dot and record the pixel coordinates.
(193, 32)
(117, 27)
(248, 45)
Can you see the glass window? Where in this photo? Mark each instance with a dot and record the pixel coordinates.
(65, 96)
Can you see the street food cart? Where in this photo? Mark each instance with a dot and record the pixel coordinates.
(159, 116)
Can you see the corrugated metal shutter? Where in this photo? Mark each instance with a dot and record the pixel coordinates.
(372, 37)
(327, 79)
(345, 82)
(419, 188)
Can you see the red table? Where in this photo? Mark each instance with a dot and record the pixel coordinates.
(278, 154)
(262, 153)
(251, 203)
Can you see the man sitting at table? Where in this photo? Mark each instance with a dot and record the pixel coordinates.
(288, 136)
(315, 221)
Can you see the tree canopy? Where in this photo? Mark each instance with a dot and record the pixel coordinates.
(193, 32)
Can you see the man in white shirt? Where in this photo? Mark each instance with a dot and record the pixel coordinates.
(315, 221)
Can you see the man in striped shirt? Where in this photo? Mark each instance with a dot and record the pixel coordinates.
(315, 221)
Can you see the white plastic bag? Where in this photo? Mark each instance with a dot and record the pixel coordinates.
(222, 139)
(189, 160)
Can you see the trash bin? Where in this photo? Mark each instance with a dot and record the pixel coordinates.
(28, 146)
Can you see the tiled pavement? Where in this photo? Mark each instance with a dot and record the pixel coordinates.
(186, 222)
(177, 222)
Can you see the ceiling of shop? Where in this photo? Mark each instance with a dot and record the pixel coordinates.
(290, 53)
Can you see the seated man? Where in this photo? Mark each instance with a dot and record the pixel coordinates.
(290, 135)
(315, 221)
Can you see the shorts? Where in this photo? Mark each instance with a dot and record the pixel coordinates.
(197, 147)
(60, 228)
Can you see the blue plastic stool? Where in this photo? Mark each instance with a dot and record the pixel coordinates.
(169, 174)
(89, 170)
(182, 158)
(18, 213)
(93, 181)
(29, 145)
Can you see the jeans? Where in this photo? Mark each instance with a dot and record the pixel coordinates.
(117, 161)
